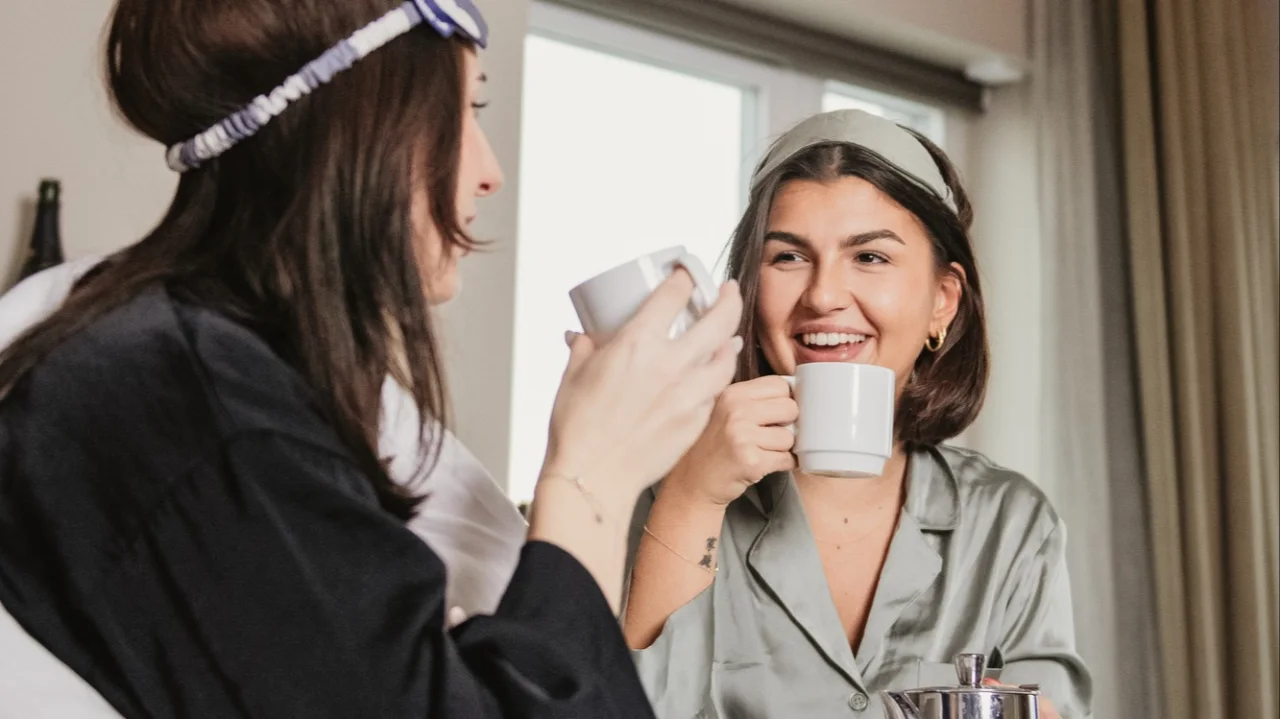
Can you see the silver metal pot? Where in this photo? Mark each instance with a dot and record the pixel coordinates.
(970, 700)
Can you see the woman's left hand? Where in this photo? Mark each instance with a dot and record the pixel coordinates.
(1047, 710)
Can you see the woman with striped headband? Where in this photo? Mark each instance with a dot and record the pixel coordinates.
(194, 515)
(854, 248)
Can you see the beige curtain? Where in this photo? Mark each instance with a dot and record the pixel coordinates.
(1200, 153)
(1090, 456)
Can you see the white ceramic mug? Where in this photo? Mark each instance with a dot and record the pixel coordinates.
(607, 301)
(845, 427)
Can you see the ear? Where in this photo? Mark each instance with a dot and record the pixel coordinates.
(947, 300)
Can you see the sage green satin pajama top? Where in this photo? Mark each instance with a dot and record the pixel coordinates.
(976, 564)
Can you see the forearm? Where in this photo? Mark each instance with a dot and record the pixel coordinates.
(676, 561)
(590, 526)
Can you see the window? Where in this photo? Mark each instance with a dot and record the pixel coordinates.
(632, 142)
(927, 120)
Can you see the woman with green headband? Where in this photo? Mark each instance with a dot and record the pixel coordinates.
(195, 516)
(760, 591)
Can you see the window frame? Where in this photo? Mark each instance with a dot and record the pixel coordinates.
(777, 98)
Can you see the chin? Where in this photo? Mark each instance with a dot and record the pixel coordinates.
(440, 296)
(442, 286)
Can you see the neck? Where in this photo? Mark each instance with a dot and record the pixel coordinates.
(861, 492)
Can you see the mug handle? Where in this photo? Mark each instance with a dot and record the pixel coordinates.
(704, 288)
(791, 380)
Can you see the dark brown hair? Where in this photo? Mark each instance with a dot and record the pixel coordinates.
(303, 231)
(947, 387)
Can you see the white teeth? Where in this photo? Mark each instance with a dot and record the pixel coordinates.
(830, 339)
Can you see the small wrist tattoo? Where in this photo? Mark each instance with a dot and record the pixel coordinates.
(709, 558)
(707, 563)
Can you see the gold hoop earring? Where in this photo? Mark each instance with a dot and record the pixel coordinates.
(933, 344)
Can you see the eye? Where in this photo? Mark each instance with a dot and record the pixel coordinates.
(478, 106)
(870, 258)
(786, 257)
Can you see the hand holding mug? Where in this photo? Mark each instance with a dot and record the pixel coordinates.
(746, 439)
(629, 408)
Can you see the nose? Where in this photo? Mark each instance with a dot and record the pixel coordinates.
(828, 290)
(491, 179)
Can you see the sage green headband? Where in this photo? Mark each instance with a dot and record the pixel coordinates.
(855, 127)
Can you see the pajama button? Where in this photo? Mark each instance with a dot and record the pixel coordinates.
(858, 701)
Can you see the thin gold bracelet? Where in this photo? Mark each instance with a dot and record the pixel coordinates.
(576, 481)
(700, 565)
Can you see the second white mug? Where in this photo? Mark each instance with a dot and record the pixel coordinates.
(845, 427)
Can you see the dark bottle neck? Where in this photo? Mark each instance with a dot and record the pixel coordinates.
(46, 238)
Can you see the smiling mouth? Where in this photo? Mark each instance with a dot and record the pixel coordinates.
(829, 340)
(830, 347)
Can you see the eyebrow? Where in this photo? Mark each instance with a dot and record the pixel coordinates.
(484, 77)
(857, 240)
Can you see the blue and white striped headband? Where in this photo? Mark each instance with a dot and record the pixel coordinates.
(445, 16)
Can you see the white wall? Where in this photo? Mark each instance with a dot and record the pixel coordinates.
(951, 32)
(999, 165)
(56, 122)
(994, 25)
(480, 323)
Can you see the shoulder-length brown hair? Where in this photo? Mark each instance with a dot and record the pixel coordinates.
(947, 387)
(303, 231)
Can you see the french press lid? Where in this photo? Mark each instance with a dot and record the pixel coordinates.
(972, 700)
